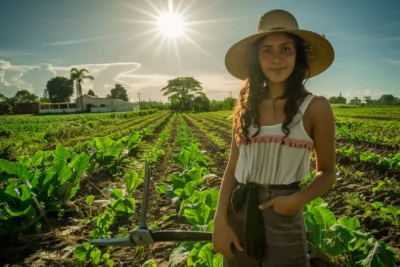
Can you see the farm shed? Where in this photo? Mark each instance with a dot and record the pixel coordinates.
(26, 108)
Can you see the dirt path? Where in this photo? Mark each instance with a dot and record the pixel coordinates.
(219, 161)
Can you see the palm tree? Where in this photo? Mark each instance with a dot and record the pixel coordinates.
(78, 76)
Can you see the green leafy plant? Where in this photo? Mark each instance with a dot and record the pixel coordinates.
(343, 239)
(103, 223)
(87, 253)
(123, 204)
(386, 212)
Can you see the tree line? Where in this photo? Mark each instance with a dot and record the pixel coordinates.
(386, 99)
(184, 94)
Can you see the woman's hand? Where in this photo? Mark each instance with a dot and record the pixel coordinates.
(222, 238)
(285, 205)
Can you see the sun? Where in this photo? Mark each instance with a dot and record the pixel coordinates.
(171, 25)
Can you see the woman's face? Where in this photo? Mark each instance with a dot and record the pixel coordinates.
(277, 57)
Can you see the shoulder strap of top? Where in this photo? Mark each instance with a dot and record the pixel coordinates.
(305, 103)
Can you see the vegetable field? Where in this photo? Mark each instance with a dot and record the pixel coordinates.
(67, 179)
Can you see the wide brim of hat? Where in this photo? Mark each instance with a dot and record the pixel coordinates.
(320, 53)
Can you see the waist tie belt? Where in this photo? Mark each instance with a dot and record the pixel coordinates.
(254, 231)
(294, 185)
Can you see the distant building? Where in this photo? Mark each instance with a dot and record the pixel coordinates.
(90, 104)
(58, 108)
(26, 108)
(98, 104)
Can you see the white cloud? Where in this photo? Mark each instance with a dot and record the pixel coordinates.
(9, 77)
(34, 78)
(394, 62)
(6, 88)
(81, 41)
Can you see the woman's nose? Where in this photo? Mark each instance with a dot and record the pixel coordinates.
(276, 58)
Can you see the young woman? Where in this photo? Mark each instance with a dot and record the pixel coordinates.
(277, 123)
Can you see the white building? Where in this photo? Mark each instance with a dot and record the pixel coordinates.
(98, 104)
(58, 108)
(90, 104)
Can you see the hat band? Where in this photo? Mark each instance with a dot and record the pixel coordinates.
(271, 29)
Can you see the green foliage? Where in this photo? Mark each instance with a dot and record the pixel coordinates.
(343, 239)
(87, 253)
(103, 223)
(118, 92)
(158, 105)
(337, 100)
(226, 104)
(200, 104)
(60, 89)
(24, 96)
(91, 93)
(38, 185)
(181, 92)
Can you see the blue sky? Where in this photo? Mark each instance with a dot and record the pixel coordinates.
(44, 38)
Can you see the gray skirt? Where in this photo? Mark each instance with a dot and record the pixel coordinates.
(285, 236)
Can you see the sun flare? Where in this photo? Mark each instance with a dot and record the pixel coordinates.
(171, 25)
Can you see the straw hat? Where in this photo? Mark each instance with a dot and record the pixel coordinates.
(319, 50)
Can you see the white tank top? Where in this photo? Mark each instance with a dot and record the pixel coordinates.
(270, 159)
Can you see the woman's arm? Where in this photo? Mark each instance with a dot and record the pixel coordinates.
(323, 131)
(229, 182)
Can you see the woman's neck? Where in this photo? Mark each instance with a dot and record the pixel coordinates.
(276, 90)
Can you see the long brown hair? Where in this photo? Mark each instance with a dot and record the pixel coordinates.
(253, 91)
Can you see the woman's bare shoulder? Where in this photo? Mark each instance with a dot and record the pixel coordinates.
(320, 106)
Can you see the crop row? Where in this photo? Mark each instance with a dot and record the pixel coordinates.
(24, 144)
(211, 126)
(353, 129)
(36, 128)
(197, 203)
(80, 118)
(379, 113)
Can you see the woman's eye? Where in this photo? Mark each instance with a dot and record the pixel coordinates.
(286, 48)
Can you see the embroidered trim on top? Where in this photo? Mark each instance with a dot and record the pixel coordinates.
(278, 139)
